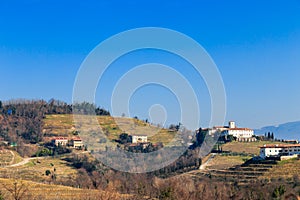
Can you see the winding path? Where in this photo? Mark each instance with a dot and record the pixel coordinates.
(23, 162)
(203, 166)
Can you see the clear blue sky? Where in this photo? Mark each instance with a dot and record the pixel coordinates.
(255, 44)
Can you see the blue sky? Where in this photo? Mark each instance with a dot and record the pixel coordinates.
(255, 45)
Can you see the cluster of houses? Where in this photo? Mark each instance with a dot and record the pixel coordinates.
(282, 151)
(63, 141)
(241, 134)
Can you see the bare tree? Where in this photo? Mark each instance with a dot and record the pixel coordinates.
(17, 189)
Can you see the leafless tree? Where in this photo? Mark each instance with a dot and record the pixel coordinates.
(17, 189)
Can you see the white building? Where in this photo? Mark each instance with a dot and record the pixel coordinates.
(139, 139)
(239, 132)
(242, 134)
(60, 141)
(77, 143)
(277, 150)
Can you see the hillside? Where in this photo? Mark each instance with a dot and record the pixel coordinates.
(285, 170)
(288, 131)
(234, 166)
(35, 170)
(246, 147)
(37, 191)
(63, 124)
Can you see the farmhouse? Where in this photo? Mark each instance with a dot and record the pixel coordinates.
(77, 142)
(60, 141)
(139, 139)
(278, 150)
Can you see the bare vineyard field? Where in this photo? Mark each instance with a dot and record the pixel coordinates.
(37, 191)
(110, 126)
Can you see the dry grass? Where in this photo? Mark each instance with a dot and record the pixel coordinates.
(35, 170)
(284, 169)
(8, 157)
(224, 162)
(246, 147)
(17, 157)
(45, 191)
(112, 127)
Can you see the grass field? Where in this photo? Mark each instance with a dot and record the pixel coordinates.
(37, 191)
(224, 162)
(112, 127)
(8, 157)
(246, 147)
(35, 170)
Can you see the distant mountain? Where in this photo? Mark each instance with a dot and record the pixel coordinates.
(288, 131)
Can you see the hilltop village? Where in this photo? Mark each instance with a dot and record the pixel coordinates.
(289, 148)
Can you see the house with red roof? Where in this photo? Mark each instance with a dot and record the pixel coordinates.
(63, 141)
(279, 150)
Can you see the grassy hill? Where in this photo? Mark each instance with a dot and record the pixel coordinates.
(224, 162)
(36, 191)
(246, 147)
(230, 167)
(110, 126)
(8, 157)
(239, 152)
(35, 170)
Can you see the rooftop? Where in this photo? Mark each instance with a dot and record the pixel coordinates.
(279, 145)
(139, 135)
(241, 129)
(77, 139)
(60, 138)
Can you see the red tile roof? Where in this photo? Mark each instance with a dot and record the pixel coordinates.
(279, 145)
(77, 139)
(220, 126)
(60, 138)
(241, 129)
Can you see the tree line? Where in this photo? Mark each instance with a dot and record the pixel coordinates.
(21, 121)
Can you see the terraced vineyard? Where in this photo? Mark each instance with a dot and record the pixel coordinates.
(240, 174)
(286, 169)
(6, 158)
(230, 166)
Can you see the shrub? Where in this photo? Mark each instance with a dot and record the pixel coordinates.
(47, 172)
